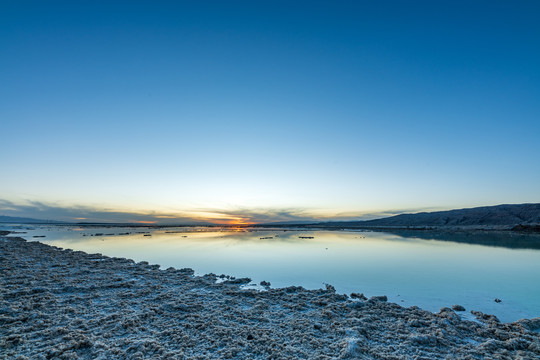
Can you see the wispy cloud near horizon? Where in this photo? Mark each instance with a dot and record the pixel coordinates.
(81, 213)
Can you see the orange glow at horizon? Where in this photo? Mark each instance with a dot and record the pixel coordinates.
(240, 222)
(232, 221)
(220, 218)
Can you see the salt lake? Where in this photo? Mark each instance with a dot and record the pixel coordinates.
(427, 269)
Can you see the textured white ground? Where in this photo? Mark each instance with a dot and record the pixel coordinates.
(63, 304)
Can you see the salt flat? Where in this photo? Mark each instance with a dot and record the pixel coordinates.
(64, 304)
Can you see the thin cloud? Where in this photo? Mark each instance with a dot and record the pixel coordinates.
(199, 216)
(43, 211)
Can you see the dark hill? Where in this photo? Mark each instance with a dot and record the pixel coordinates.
(500, 216)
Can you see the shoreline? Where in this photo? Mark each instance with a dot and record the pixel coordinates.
(68, 304)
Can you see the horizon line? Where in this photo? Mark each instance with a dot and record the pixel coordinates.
(237, 221)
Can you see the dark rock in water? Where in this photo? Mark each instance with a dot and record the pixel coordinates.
(317, 326)
(358, 296)
(458, 308)
(330, 288)
(250, 337)
(497, 300)
(265, 283)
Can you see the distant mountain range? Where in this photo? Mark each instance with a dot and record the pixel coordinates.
(501, 216)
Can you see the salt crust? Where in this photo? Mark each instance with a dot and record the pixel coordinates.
(63, 304)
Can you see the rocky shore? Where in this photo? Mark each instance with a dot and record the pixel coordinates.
(64, 304)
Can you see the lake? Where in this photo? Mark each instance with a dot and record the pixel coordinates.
(429, 270)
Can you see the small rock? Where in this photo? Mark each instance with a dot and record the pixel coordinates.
(485, 317)
(250, 337)
(330, 288)
(458, 308)
(497, 300)
(358, 296)
(317, 326)
(265, 283)
(187, 271)
(240, 281)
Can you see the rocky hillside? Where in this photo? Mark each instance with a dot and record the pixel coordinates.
(501, 215)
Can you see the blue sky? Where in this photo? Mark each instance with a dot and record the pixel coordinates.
(245, 111)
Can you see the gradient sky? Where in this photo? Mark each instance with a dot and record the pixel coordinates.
(266, 110)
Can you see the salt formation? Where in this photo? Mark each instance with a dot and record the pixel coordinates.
(63, 304)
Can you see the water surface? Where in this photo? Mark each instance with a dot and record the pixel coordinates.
(430, 272)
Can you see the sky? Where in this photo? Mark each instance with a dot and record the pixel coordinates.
(250, 111)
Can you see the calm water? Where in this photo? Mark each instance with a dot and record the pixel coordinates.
(431, 272)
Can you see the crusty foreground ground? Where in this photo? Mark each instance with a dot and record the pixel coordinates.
(63, 304)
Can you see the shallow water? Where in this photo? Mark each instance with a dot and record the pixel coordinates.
(425, 272)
